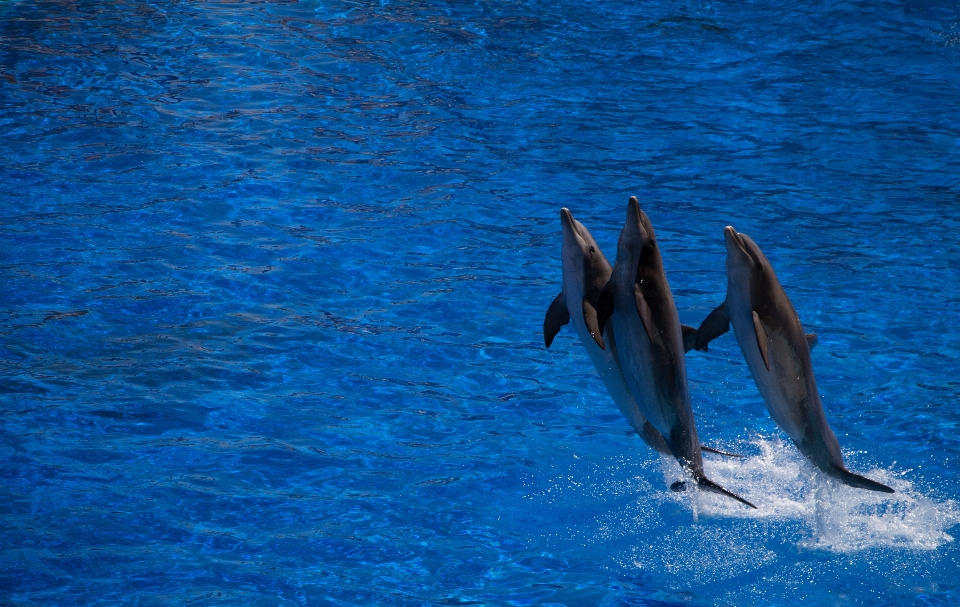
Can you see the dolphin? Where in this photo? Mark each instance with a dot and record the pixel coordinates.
(778, 354)
(650, 343)
(585, 272)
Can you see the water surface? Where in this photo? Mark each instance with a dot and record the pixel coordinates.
(275, 275)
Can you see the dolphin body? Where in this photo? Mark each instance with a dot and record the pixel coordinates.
(585, 273)
(650, 343)
(778, 354)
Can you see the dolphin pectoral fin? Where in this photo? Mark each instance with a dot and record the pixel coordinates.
(689, 337)
(812, 340)
(713, 326)
(557, 316)
(644, 311)
(605, 305)
(708, 485)
(718, 451)
(860, 482)
(761, 339)
(590, 318)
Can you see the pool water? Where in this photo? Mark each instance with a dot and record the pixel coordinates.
(275, 275)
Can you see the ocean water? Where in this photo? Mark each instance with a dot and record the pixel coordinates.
(274, 275)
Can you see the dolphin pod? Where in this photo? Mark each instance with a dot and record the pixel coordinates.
(585, 272)
(777, 351)
(626, 318)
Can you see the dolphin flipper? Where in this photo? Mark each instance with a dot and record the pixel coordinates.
(557, 316)
(713, 326)
(643, 309)
(860, 482)
(708, 485)
(590, 319)
(761, 339)
(689, 337)
(812, 340)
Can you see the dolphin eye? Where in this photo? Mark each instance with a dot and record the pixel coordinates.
(592, 250)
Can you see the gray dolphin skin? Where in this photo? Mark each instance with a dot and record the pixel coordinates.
(778, 353)
(585, 272)
(650, 343)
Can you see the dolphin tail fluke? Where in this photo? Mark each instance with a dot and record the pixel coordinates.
(713, 326)
(708, 485)
(719, 452)
(557, 316)
(860, 482)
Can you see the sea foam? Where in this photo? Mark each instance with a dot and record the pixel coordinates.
(784, 486)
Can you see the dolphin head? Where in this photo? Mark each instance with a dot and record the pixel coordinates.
(742, 253)
(746, 263)
(636, 235)
(580, 250)
(585, 273)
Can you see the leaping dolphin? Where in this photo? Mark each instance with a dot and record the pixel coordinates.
(650, 343)
(778, 354)
(585, 272)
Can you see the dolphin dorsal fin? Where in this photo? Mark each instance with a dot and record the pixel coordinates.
(644, 311)
(713, 326)
(812, 340)
(761, 339)
(590, 319)
(557, 316)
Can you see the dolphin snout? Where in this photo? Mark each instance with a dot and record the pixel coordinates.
(732, 238)
(633, 210)
(566, 220)
(633, 228)
(729, 234)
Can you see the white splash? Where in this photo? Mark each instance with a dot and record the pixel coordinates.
(784, 486)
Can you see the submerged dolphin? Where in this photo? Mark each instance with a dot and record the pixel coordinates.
(650, 343)
(585, 272)
(778, 354)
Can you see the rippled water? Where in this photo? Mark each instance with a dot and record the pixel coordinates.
(275, 275)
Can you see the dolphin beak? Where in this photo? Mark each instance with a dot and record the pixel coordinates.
(633, 211)
(732, 239)
(634, 227)
(736, 246)
(566, 220)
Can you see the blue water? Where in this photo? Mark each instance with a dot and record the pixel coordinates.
(274, 278)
